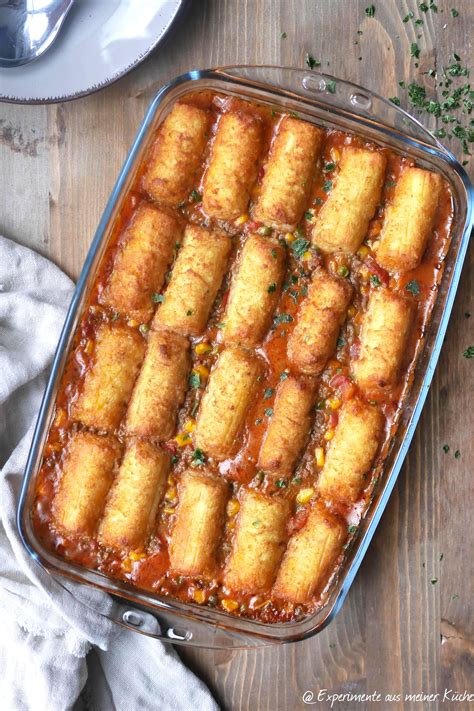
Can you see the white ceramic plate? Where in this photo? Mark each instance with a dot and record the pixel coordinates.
(101, 40)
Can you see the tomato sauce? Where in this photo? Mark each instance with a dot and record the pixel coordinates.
(148, 568)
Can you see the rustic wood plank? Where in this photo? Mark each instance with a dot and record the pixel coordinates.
(398, 632)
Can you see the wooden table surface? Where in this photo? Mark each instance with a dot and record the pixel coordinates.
(398, 633)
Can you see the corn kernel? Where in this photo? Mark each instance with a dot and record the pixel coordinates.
(182, 439)
(199, 596)
(364, 273)
(203, 348)
(171, 494)
(319, 453)
(335, 154)
(230, 605)
(132, 323)
(290, 237)
(190, 425)
(169, 510)
(334, 402)
(233, 507)
(127, 565)
(60, 417)
(329, 434)
(201, 370)
(306, 256)
(363, 251)
(242, 219)
(351, 311)
(135, 555)
(171, 480)
(305, 495)
(89, 347)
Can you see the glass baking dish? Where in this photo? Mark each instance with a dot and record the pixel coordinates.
(344, 106)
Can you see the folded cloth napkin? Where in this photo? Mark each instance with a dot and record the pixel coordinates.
(46, 631)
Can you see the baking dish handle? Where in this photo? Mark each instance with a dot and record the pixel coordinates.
(338, 95)
(206, 635)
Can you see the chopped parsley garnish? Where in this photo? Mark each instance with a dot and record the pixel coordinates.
(304, 290)
(413, 287)
(327, 186)
(256, 523)
(258, 421)
(408, 17)
(284, 375)
(352, 529)
(414, 50)
(445, 448)
(264, 231)
(283, 35)
(395, 100)
(198, 458)
(457, 454)
(390, 183)
(220, 324)
(268, 393)
(282, 318)
(299, 247)
(312, 62)
(272, 287)
(281, 483)
(434, 581)
(331, 86)
(469, 352)
(418, 22)
(189, 312)
(343, 270)
(196, 196)
(340, 343)
(454, 13)
(370, 11)
(274, 253)
(318, 201)
(158, 298)
(174, 459)
(308, 215)
(328, 167)
(194, 380)
(375, 280)
(143, 328)
(269, 412)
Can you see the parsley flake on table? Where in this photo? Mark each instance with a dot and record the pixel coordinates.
(408, 17)
(469, 352)
(283, 35)
(454, 12)
(272, 287)
(312, 62)
(370, 11)
(331, 86)
(445, 448)
(415, 50)
(413, 287)
(395, 100)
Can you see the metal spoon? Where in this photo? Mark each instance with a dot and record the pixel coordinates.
(28, 28)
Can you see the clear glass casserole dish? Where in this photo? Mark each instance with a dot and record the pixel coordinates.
(332, 103)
